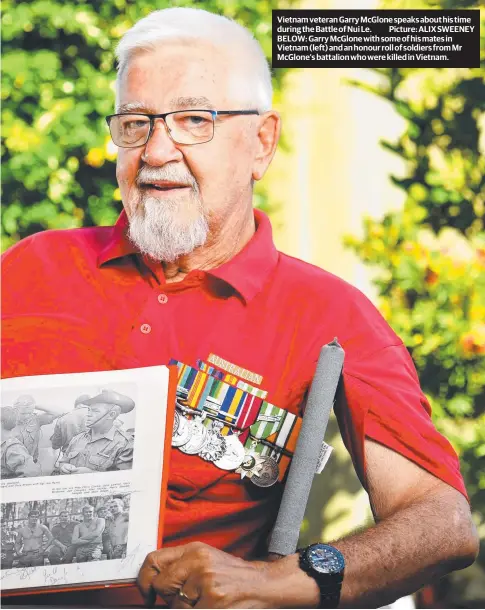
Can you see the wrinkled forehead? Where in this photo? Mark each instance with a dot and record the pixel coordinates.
(181, 75)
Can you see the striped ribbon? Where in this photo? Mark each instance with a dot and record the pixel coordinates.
(231, 380)
(213, 391)
(203, 390)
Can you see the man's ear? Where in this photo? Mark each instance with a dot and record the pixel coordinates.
(268, 136)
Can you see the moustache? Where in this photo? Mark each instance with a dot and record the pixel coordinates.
(147, 175)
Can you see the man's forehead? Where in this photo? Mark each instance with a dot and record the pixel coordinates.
(169, 74)
(177, 103)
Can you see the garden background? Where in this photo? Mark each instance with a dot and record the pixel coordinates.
(380, 179)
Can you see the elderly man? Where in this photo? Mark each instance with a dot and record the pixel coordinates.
(87, 536)
(15, 458)
(103, 446)
(190, 272)
(32, 541)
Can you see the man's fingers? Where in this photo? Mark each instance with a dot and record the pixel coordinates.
(188, 595)
(173, 579)
(155, 563)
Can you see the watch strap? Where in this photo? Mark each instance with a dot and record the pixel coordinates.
(329, 593)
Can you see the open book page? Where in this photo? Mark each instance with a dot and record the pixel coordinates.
(82, 463)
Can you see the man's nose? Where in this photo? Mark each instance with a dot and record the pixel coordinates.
(160, 148)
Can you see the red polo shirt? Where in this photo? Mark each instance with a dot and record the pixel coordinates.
(83, 299)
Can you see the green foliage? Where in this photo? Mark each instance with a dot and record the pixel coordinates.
(429, 257)
(58, 74)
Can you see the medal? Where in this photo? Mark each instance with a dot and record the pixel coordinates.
(250, 466)
(176, 422)
(198, 437)
(252, 462)
(215, 445)
(268, 475)
(181, 435)
(234, 454)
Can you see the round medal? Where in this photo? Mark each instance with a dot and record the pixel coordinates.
(182, 435)
(234, 454)
(198, 437)
(268, 474)
(176, 423)
(215, 444)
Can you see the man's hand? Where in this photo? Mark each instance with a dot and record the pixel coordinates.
(67, 468)
(213, 579)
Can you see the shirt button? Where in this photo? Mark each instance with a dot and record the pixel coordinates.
(145, 328)
(162, 298)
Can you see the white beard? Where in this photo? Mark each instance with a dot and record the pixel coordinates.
(159, 229)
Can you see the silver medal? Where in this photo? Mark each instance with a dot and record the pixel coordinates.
(176, 423)
(234, 454)
(215, 445)
(182, 434)
(268, 474)
(198, 437)
(251, 464)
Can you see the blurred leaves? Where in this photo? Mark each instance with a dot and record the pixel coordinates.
(58, 76)
(429, 257)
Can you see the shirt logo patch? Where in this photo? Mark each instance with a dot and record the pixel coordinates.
(233, 369)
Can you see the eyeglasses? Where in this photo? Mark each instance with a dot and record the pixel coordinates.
(130, 130)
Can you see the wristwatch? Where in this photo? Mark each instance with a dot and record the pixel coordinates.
(326, 565)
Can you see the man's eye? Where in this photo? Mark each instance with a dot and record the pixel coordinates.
(196, 119)
(134, 124)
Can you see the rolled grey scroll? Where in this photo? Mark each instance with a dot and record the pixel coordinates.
(284, 537)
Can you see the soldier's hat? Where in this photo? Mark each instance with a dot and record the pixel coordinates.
(81, 400)
(109, 397)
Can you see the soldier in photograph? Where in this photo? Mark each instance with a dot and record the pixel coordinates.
(29, 422)
(8, 546)
(102, 446)
(32, 541)
(16, 461)
(87, 536)
(117, 529)
(70, 425)
(62, 549)
(104, 513)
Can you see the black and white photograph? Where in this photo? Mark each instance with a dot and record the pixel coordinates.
(108, 430)
(64, 531)
(67, 430)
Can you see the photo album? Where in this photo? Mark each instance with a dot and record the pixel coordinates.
(83, 482)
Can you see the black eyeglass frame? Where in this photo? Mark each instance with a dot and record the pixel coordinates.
(152, 117)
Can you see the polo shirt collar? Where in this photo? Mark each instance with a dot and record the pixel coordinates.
(246, 272)
(249, 270)
(118, 244)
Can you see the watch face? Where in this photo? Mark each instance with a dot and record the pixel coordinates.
(325, 559)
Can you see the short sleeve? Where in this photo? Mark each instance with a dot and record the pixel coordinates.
(124, 458)
(383, 401)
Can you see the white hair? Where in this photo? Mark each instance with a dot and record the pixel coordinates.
(200, 25)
